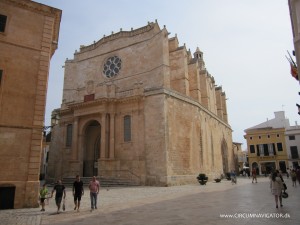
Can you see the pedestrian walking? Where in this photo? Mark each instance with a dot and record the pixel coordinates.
(60, 193)
(43, 196)
(233, 177)
(298, 174)
(277, 187)
(94, 187)
(248, 173)
(281, 177)
(254, 175)
(294, 177)
(78, 191)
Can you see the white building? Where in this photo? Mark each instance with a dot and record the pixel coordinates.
(292, 137)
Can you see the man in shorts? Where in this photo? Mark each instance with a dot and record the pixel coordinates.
(43, 196)
(60, 190)
(78, 191)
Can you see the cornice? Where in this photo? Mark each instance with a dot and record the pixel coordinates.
(118, 35)
(100, 101)
(41, 9)
(148, 92)
(34, 6)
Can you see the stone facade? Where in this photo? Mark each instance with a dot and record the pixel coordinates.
(139, 106)
(27, 42)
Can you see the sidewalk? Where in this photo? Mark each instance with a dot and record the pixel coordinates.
(187, 204)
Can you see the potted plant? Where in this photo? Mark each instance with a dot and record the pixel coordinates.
(202, 178)
(218, 180)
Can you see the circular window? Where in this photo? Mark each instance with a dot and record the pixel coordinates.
(112, 67)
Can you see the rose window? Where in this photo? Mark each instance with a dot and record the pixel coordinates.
(112, 67)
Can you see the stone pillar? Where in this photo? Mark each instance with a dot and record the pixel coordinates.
(112, 136)
(102, 153)
(80, 144)
(75, 140)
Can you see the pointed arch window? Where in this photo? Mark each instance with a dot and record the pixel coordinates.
(127, 128)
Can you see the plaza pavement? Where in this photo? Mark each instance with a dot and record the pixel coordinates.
(179, 205)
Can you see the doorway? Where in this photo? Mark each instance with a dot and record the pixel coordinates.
(92, 149)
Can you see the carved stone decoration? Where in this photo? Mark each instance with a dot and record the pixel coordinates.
(90, 87)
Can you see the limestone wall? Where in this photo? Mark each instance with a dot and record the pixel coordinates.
(27, 45)
(143, 63)
(177, 117)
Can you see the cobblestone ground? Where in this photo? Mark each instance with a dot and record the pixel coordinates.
(20, 217)
(187, 204)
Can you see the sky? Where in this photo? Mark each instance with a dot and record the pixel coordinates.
(244, 45)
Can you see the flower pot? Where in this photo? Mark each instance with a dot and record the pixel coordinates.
(202, 182)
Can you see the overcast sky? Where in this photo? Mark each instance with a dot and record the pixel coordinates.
(244, 45)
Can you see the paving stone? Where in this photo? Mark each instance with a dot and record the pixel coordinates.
(186, 205)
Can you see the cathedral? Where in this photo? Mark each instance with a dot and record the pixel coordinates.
(136, 105)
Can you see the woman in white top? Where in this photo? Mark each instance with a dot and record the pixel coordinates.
(276, 187)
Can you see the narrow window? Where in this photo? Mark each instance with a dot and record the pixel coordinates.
(2, 22)
(292, 137)
(1, 71)
(252, 149)
(266, 149)
(127, 128)
(279, 147)
(261, 150)
(271, 149)
(294, 152)
(69, 135)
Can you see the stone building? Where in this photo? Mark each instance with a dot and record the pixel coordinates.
(28, 39)
(137, 105)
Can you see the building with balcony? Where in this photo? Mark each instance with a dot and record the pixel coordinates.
(266, 144)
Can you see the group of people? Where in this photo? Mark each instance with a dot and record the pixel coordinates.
(77, 190)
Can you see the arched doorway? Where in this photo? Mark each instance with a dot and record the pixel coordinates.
(92, 149)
